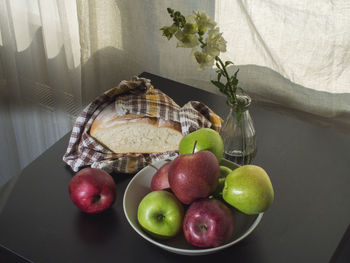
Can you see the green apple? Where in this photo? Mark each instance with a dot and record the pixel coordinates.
(248, 189)
(160, 214)
(207, 139)
(224, 171)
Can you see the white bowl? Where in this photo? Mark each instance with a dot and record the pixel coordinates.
(139, 186)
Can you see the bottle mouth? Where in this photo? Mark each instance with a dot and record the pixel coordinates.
(244, 102)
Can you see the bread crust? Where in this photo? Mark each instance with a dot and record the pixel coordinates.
(108, 118)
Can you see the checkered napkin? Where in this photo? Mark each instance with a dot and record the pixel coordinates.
(136, 96)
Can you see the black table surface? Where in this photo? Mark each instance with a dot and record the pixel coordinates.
(309, 167)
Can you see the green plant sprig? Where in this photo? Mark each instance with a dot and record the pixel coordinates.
(179, 22)
(229, 87)
(178, 18)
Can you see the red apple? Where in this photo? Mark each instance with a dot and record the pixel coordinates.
(208, 223)
(193, 176)
(160, 178)
(92, 190)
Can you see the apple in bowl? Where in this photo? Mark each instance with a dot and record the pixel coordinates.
(160, 214)
(203, 139)
(139, 187)
(193, 176)
(160, 179)
(208, 223)
(248, 189)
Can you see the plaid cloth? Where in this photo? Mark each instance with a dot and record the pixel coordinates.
(137, 96)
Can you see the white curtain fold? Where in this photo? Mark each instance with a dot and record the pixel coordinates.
(57, 55)
(120, 39)
(295, 54)
(40, 78)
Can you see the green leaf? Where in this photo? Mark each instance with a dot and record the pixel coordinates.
(234, 81)
(170, 11)
(228, 63)
(219, 76)
(218, 84)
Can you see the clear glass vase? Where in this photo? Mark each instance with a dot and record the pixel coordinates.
(239, 136)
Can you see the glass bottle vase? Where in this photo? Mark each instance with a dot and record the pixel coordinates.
(238, 134)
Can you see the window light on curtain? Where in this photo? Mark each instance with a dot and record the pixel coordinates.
(39, 76)
(294, 54)
(56, 56)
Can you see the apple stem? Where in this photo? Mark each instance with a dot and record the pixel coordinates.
(160, 218)
(194, 146)
(203, 228)
(96, 198)
(153, 166)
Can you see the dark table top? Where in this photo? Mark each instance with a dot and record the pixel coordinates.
(308, 166)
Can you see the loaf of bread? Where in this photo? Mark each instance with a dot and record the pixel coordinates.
(131, 133)
(132, 125)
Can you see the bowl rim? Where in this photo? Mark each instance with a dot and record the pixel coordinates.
(195, 251)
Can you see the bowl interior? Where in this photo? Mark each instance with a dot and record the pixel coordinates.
(139, 186)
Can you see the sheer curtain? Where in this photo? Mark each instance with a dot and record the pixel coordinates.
(293, 55)
(123, 38)
(40, 83)
(57, 55)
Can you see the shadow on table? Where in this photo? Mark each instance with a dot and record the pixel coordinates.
(97, 228)
(342, 253)
(6, 190)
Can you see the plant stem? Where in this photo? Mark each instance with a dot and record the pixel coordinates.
(232, 89)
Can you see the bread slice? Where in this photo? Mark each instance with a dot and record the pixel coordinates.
(132, 133)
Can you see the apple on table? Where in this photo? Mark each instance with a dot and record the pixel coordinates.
(92, 190)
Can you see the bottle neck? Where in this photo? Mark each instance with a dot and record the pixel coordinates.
(243, 101)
